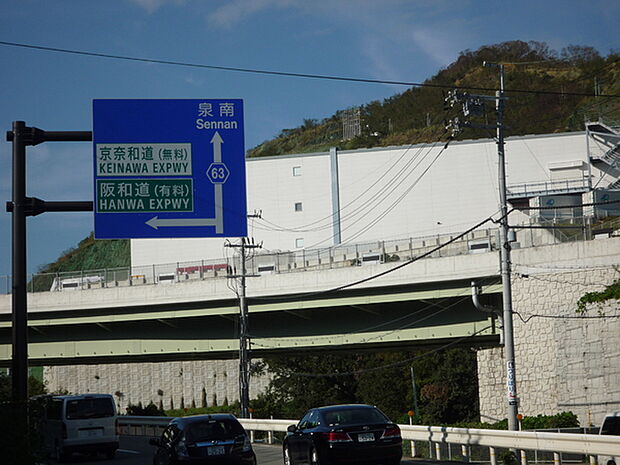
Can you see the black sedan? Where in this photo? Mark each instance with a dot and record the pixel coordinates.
(204, 439)
(343, 434)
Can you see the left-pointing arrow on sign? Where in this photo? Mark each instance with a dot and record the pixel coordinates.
(156, 222)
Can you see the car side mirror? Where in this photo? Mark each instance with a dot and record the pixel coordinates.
(292, 428)
(155, 442)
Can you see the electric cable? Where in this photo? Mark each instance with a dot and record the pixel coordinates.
(565, 317)
(390, 270)
(375, 202)
(442, 308)
(343, 216)
(389, 365)
(280, 73)
(397, 201)
(418, 257)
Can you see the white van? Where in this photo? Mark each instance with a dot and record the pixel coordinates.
(611, 427)
(80, 423)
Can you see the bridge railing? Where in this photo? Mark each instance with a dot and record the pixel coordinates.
(269, 262)
(434, 438)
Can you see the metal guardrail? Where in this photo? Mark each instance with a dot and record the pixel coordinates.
(398, 250)
(264, 263)
(547, 187)
(574, 443)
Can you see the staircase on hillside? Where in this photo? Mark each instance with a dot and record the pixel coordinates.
(608, 159)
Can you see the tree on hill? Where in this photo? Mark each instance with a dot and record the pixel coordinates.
(447, 382)
(417, 115)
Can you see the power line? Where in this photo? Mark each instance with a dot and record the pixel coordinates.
(357, 210)
(564, 317)
(389, 189)
(285, 73)
(388, 271)
(389, 365)
(463, 296)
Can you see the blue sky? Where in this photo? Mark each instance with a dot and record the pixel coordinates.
(389, 39)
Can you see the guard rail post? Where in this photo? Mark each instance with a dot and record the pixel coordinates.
(492, 456)
(270, 434)
(464, 452)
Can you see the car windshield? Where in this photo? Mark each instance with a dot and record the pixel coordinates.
(354, 416)
(611, 426)
(213, 429)
(96, 407)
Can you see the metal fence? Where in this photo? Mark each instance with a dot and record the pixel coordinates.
(441, 443)
(548, 187)
(532, 234)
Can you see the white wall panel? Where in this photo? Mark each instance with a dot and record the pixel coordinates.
(379, 196)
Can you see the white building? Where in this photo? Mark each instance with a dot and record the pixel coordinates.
(318, 200)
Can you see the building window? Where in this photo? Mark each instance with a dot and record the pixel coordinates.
(296, 170)
(299, 242)
(298, 207)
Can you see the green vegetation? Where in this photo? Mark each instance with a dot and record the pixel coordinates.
(446, 383)
(151, 410)
(233, 408)
(610, 292)
(35, 387)
(90, 254)
(559, 420)
(417, 114)
(20, 443)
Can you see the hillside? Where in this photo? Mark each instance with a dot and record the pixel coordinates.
(90, 254)
(418, 114)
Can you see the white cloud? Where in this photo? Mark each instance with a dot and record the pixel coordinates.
(235, 10)
(153, 5)
(440, 48)
(381, 64)
(61, 172)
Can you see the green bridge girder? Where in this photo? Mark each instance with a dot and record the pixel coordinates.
(389, 317)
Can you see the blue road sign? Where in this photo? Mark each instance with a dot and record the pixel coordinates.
(169, 168)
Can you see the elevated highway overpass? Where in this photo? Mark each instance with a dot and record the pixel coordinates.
(426, 302)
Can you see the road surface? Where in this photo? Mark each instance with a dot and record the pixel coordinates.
(135, 450)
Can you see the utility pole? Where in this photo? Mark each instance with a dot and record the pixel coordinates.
(244, 338)
(415, 394)
(473, 105)
(509, 349)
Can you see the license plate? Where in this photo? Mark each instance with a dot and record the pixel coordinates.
(216, 450)
(365, 437)
(90, 433)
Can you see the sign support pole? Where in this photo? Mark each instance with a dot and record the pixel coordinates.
(21, 207)
(19, 362)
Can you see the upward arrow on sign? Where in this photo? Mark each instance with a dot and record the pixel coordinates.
(217, 142)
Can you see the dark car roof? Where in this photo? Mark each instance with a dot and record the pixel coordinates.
(330, 408)
(182, 421)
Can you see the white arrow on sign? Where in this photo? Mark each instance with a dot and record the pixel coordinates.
(157, 222)
(218, 221)
(217, 142)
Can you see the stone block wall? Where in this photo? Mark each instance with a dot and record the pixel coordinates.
(563, 362)
(180, 382)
